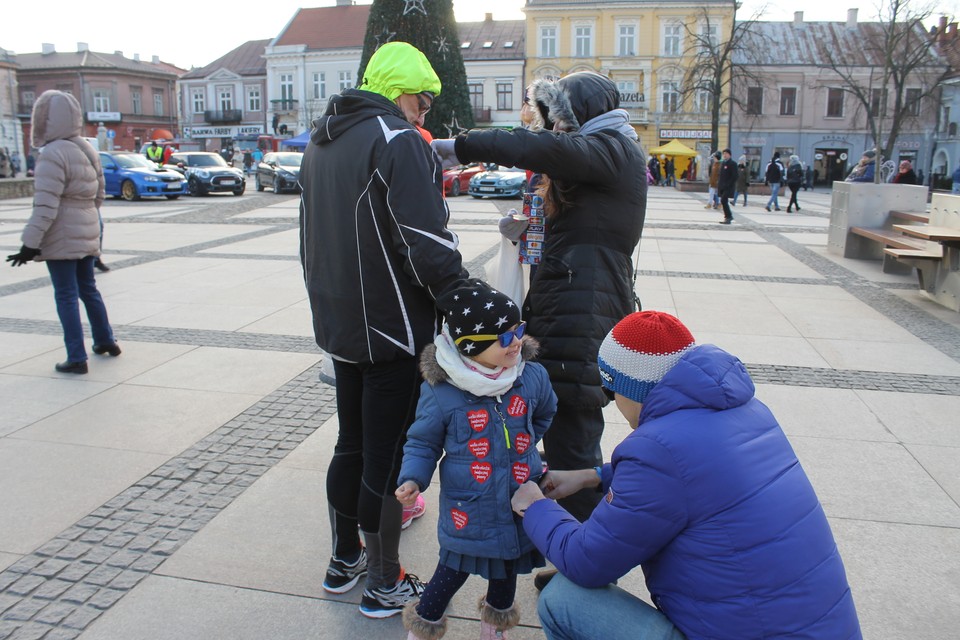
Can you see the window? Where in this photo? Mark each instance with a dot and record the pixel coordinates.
(101, 100)
(475, 89)
(911, 102)
(754, 101)
(465, 45)
(834, 103)
(508, 44)
(28, 97)
(878, 102)
(504, 96)
(627, 42)
(708, 36)
(136, 100)
(319, 86)
(346, 80)
(582, 40)
(671, 39)
(286, 87)
(788, 101)
(199, 103)
(703, 101)
(488, 44)
(225, 98)
(670, 97)
(253, 99)
(626, 86)
(548, 42)
(158, 102)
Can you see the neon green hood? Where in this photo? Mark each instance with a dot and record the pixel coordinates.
(399, 67)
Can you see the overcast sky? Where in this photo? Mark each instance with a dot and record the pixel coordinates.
(188, 35)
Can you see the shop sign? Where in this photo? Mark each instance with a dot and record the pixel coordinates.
(222, 132)
(689, 134)
(103, 116)
(633, 99)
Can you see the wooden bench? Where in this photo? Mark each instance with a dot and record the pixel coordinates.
(910, 216)
(894, 239)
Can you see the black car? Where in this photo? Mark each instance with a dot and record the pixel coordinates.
(280, 171)
(207, 173)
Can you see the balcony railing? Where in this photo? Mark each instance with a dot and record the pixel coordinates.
(24, 110)
(227, 115)
(482, 114)
(281, 106)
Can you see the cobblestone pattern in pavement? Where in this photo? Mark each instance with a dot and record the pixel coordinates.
(61, 588)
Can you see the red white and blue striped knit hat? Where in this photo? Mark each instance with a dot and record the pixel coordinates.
(639, 351)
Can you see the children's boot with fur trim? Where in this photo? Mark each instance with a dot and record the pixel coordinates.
(494, 623)
(421, 628)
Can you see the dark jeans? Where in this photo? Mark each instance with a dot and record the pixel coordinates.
(376, 403)
(573, 442)
(73, 280)
(725, 203)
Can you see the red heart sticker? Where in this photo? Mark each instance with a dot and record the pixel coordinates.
(478, 419)
(481, 471)
(521, 472)
(479, 447)
(522, 442)
(460, 519)
(517, 407)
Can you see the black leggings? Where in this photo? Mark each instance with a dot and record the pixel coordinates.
(376, 403)
(793, 195)
(446, 582)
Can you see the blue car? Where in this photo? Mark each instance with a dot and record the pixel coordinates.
(498, 182)
(131, 176)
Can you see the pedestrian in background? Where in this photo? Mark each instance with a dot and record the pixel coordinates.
(794, 180)
(956, 181)
(712, 199)
(743, 180)
(727, 184)
(905, 174)
(773, 176)
(64, 228)
(376, 253)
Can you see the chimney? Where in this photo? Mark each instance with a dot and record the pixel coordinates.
(488, 17)
(943, 24)
(798, 18)
(155, 59)
(851, 18)
(82, 46)
(136, 57)
(118, 53)
(344, 3)
(48, 48)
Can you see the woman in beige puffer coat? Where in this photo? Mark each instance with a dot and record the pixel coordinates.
(64, 229)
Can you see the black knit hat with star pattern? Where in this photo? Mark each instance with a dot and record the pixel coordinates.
(476, 314)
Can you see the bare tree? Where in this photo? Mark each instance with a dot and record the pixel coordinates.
(891, 54)
(718, 61)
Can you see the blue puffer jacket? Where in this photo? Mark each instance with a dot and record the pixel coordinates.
(480, 472)
(708, 497)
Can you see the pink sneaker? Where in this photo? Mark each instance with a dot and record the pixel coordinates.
(412, 513)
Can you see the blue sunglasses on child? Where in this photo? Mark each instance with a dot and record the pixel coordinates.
(506, 338)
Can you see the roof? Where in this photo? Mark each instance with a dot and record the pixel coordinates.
(656, 4)
(245, 60)
(812, 43)
(326, 27)
(947, 39)
(92, 60)
(498, 33)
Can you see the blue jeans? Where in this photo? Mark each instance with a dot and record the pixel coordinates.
(774, 192)
(72, 281)
(569, 612)
(956, 188)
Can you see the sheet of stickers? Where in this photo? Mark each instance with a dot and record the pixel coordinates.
(531, 242)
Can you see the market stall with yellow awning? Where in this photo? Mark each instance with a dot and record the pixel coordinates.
(681, 154)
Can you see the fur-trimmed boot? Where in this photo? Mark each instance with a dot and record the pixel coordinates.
(494, 623)
(420, 628)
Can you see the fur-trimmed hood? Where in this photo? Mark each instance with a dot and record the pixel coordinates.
(434, 374)
(573, 100)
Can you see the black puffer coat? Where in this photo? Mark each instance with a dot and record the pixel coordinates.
(584, 284)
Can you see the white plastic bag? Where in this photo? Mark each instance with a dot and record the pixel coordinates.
(506, 274)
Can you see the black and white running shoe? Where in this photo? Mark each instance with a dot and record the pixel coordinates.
(381, 602)
(342, 576)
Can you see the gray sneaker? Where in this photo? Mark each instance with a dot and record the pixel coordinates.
(343, 576)
(383, 602)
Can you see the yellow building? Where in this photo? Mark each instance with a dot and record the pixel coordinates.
(645, 47)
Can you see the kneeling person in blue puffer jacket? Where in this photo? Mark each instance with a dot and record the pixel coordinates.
(706, 495)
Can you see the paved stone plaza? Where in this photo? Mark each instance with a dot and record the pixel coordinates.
(178, 491)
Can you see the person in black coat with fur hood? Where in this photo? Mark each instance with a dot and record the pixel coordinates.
(595, 194)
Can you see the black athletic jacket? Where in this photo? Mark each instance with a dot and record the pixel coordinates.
(373, 239)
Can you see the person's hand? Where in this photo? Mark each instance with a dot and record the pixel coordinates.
(407, 493)
(513, 225)
(26, 255)
(526, 495)
(560, 484)
(444, 149)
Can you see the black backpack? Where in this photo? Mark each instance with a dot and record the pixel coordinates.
(773, 172)
(795, 173)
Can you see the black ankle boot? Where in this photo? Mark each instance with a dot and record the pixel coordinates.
(112, 348)
(72, 367)
(98, 263)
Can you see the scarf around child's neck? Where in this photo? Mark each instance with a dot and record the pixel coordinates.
(468, 374)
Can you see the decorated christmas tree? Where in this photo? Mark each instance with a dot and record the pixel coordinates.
(430, 27)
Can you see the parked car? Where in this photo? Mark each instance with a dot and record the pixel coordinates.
(456, 180)
(280, 171)
(131, 176)
(207, 173)
(498, 182)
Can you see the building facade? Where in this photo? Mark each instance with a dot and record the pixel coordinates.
(125, 101)
(11, 133)
(946, 139)
(794, 103)
(645, 47)
(493, 58)
(226, 100)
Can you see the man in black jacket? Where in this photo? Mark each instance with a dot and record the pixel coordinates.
(376, 253)
(727, 185)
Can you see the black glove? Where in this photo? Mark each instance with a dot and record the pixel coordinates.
(26, 255)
